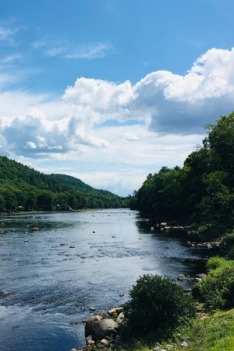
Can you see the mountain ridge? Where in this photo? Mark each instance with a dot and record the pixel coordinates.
(26, 188)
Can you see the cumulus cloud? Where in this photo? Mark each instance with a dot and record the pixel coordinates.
(167, 102)
(163, 102)
(184, 104)
(130, 137)
(105, 100)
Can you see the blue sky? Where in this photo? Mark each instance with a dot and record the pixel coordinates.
(111, 90)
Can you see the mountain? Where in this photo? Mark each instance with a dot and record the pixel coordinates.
(23, 188)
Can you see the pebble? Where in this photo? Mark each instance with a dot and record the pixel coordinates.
(184, 344)
(104, 342)
(92, 308)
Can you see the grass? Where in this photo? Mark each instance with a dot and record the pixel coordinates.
(212, 332)
(217, 264)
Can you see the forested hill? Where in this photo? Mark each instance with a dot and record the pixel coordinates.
(23, 188)
(202, 191)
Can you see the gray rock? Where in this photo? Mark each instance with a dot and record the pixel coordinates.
(120, 318)
(104, 342)
(100, 328)
(115, 310)
(92, 308)
(181, 277)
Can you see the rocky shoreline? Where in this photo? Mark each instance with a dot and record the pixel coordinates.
(101, 330)
(188, 232)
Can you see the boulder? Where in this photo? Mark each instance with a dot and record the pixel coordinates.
(100, 328)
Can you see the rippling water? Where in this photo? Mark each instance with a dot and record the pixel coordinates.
(50, 277)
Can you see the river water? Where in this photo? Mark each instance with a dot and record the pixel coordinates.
(50, 277)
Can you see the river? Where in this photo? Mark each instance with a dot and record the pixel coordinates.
(55, 266)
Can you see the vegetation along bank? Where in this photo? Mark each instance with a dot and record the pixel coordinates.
(195, 200)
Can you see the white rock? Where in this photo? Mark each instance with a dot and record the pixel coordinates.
(184, 344)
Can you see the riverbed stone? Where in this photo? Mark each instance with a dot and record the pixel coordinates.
(120, 318)
(100, 328)
(181, 277)
(115, 310)
(184, 344)
(104, 342)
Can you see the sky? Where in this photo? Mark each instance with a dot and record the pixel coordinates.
(109, 91)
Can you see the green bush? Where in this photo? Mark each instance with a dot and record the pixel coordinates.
(158, 305)
(217, 290)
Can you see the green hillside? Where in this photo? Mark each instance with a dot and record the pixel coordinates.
(23, 188)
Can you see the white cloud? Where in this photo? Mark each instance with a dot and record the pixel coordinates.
(68, 50)
(184, 104)
(11, 58)
(91, 51)
(158, 121)
(6, 33)
(103, 100)
(130, 137)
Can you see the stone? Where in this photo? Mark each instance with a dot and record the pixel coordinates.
(184, 344)
(120, 318)
(103, 314)
(92, 308)
(104, 342)
(89, 340)
(181, 277)
(115, 310)
(201, 276)
(100, 328)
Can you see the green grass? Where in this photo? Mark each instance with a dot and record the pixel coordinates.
(214, 333)
(217, 264)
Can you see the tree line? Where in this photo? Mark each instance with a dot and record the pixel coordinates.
(202, 191)
(25, 189)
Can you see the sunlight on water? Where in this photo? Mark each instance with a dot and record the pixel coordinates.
(55, 266)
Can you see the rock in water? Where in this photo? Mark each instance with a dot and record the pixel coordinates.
(99, 328)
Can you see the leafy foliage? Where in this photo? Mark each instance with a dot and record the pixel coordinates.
(157, 305)
(217, 290)
(202, 191)
(23, 188)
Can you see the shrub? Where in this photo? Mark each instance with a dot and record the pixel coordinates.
(157, 305)
(217, 290)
